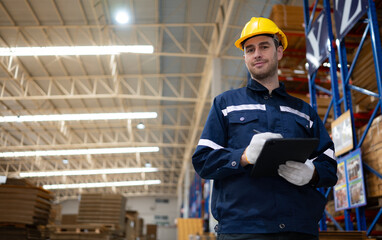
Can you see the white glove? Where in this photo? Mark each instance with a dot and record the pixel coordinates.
(296, 172)
(254, 148)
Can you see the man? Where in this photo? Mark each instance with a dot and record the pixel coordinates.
(287, 206)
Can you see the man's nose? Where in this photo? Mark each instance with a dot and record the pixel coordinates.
(257, 54)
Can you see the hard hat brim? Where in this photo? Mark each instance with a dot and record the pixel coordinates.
(282, 38)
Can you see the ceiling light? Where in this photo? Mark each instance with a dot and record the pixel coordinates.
(75, 50)
(102, 184)
(79, 152)
(122, 17)
(141, 126)
(65, 161)
(87, 172)
(78, 117)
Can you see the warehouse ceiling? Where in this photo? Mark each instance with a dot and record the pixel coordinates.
(193, 46)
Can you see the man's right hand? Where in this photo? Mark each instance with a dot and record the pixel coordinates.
(254, 148)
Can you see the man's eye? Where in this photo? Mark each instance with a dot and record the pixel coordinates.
(249, 50)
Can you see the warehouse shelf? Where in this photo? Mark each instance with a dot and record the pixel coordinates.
(361, 218)
(345, 101)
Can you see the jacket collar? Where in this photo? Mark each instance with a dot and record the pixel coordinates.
(256, 86)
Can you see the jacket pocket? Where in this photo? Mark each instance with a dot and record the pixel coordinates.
(241, 127)
(305, 126)
(297, 127)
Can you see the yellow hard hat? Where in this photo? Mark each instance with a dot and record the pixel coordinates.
(258, 26)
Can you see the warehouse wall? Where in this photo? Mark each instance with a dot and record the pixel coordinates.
(154, 210)
(70, 207)
(159, 210)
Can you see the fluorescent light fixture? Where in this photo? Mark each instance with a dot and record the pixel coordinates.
(75, 50)
(87, 172)
(90, 151)
(122, 17)
(79, 117)
(102, 184)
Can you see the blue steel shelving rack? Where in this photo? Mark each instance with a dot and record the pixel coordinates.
(372, 30)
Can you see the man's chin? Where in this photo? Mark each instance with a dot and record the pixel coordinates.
(260, 76)
(263, 75)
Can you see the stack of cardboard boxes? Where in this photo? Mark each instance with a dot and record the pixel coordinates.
(288, 17)
(372, 155)
(101, 216)
(24, 209)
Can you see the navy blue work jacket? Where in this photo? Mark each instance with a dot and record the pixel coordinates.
(244, 204)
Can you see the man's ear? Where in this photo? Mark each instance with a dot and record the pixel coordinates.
(280, 52)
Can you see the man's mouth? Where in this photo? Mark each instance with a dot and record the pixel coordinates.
(259, 64)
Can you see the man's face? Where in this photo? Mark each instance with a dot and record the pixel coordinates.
(261, 57)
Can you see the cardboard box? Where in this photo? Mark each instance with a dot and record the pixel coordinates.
(132, 225)
(108, 209)
(141, 224)
(189, 226)
(24, 204)
(55, 216)
(372, 155)
(288, 17)
(151, 232)
(69, 219)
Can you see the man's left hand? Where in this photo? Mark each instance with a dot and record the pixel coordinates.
(296, 172)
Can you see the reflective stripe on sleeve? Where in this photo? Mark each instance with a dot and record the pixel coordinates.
(243, 107)
(209, 143)
(330, 153)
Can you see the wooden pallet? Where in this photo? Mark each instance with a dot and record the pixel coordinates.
(80, 236)
(10, 231)
(80, 232)
(78, 228)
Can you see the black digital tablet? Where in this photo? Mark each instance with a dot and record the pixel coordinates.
(279, 150)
